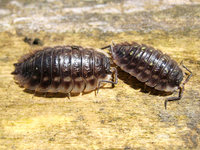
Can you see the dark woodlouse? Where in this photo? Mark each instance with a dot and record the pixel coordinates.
(64, 69)
(150, 66)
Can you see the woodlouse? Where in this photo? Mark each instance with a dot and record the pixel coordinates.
(150, 66)
(64, 69)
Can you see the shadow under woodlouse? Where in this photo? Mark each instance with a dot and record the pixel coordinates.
(47, 95)
(62, 95)
(136, 84)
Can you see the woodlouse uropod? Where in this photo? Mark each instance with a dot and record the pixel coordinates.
(64, 69)
(150, 66)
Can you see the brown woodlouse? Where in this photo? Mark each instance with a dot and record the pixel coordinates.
(150, 66)
(64, 69)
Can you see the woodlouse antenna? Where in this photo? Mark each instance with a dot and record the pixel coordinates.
(110, 47)
(114, 71)
(189, 76)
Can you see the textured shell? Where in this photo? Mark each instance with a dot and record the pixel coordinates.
(148, 65)
(64, 69)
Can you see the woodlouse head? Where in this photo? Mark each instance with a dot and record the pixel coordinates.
(179, 78)
(176, 76)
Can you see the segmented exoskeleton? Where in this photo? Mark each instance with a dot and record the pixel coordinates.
(64, 69)
(150, 66)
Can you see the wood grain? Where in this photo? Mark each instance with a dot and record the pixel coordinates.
(126, 116)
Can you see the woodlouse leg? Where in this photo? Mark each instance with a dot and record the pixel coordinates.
(181, 88)
(67, 99)
(68, 95)
(34, 94)
(114, 71)
(45, 94)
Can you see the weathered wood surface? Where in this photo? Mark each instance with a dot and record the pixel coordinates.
(127, 116)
